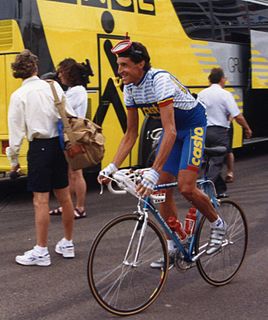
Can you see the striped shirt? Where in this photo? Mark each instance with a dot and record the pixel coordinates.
(158, 88)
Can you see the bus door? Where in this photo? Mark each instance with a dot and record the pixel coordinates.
(8, 84)
(111, 113)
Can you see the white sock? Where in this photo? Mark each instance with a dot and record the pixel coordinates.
(68, 242)
(41, 250)
(171, 246)
(219, 223)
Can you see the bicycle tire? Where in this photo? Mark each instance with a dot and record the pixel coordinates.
(221, 267)
(120, 288)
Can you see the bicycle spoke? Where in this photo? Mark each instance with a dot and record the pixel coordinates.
(220, 267)
(118, 282)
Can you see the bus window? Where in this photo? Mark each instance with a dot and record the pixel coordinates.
(195, 18)
(230, 21)
(9, 9)
(258, 16)
(220, 20)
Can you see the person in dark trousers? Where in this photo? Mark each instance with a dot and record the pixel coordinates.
(32, 113)
(220, 106)
(230, 159)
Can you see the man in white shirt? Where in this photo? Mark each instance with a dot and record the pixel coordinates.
(221, 106)
(32, 113)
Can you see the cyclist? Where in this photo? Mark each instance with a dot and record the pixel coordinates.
(160, 94)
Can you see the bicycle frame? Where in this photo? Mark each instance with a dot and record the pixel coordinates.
(138, 243)
(187, 250)
(145, 205)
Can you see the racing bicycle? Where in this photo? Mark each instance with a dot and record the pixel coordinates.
(119, 273)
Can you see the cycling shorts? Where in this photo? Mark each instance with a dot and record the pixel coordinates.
(187, 151)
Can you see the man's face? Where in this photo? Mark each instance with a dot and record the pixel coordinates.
(223, 81)
(129, 71)
(62, 77)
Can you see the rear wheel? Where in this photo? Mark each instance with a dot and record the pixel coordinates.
(121, 283)
(220, 268)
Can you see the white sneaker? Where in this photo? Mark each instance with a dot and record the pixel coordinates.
(159, 264)
(33, 258)
(217, 236)
(65, 248)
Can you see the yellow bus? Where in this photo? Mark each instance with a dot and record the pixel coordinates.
(187, 38)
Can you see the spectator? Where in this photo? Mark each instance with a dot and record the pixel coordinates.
(220, 106)
(74, 76)
(32, 113)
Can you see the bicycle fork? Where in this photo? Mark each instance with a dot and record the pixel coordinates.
(143, 217)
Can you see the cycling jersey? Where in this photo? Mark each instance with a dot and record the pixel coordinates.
(157, 89)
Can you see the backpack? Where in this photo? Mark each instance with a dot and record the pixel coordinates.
(83, 139)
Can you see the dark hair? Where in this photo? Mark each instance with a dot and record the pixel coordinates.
(75, 73)
(137, 53)
(216, 74)
(25, 65)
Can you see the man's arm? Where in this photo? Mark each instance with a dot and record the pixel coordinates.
(17, 130)
(234, 111)
(150, 178)
(243, 123)
(129, 138)
(125, 146)
(169, 137)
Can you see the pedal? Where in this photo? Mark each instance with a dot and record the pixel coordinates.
(158, 197)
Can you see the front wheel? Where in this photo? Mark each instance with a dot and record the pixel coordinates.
(220, 268)
(119, 275)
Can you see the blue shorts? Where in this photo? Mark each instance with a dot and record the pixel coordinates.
(187, 151)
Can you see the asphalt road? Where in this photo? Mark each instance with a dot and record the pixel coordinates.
(60, 292)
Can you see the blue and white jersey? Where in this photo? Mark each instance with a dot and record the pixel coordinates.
(157, 89)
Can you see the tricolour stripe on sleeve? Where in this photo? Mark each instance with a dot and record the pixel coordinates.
(165, 102)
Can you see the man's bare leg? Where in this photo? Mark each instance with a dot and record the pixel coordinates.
(64, 198)
(187, 187)
(168, 208)
(42, 219)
